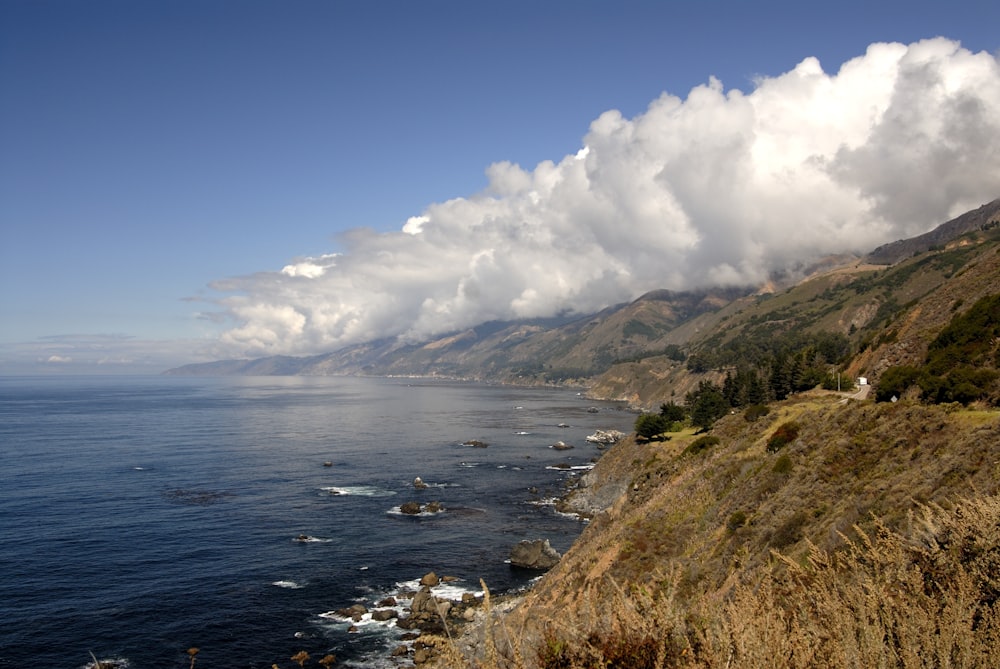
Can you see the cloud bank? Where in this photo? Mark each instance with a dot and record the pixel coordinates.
(719, 188)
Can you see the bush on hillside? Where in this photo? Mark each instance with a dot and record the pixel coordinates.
(784, 435)
(701, 443)
(755, 412)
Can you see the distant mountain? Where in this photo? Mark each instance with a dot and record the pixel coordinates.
(855, 315)
(538, 351)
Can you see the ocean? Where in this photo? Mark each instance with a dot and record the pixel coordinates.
(143, 516)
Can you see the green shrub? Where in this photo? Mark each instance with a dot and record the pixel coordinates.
(789, 531)
(894, 382)
(701, 443)
(756, 411)
(736, 520)
(784, 435)
(782, 465)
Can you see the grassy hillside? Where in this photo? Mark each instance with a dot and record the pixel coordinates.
(872, 539)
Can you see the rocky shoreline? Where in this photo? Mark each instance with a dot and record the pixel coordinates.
(439, 628)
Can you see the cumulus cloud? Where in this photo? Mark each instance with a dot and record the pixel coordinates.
(722, 187)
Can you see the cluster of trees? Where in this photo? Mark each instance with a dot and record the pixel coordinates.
(962, 362)
(703, 406)
(771, 365)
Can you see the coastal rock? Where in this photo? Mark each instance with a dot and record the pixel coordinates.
(419, 484)
(430, 579)
(410, 508)
(353, 612)
(561, 446)
(423, 602)
(381, 615)
(536, 554)
(416, 508)
(606, 437)
(475, 443)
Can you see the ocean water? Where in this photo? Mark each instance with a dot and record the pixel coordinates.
(142, 516)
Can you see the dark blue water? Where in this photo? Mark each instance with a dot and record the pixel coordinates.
(142, 516)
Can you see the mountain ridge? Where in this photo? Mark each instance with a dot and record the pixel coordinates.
(641, 351)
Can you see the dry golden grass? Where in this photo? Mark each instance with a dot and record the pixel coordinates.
(845, 549)
(923, 598)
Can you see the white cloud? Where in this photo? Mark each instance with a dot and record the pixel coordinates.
(721, 187)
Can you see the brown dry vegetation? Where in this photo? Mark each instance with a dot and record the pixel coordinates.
(872, 539)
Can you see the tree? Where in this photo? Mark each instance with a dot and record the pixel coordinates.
(650, 425)
(894, 382)
(706, 405)
(674, 413)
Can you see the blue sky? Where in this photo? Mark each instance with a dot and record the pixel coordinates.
(177, 177)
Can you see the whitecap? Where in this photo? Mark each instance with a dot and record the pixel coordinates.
(429, 484)
(109, 663)
(564, 468)
(289, 585)
(452, 590)
(522, 432)
(358, 491)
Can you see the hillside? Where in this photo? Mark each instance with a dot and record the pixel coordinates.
(869, 540)
(820, 530)
(877, 316)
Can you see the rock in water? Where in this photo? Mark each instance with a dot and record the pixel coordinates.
(410, 508)
(537, 554)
